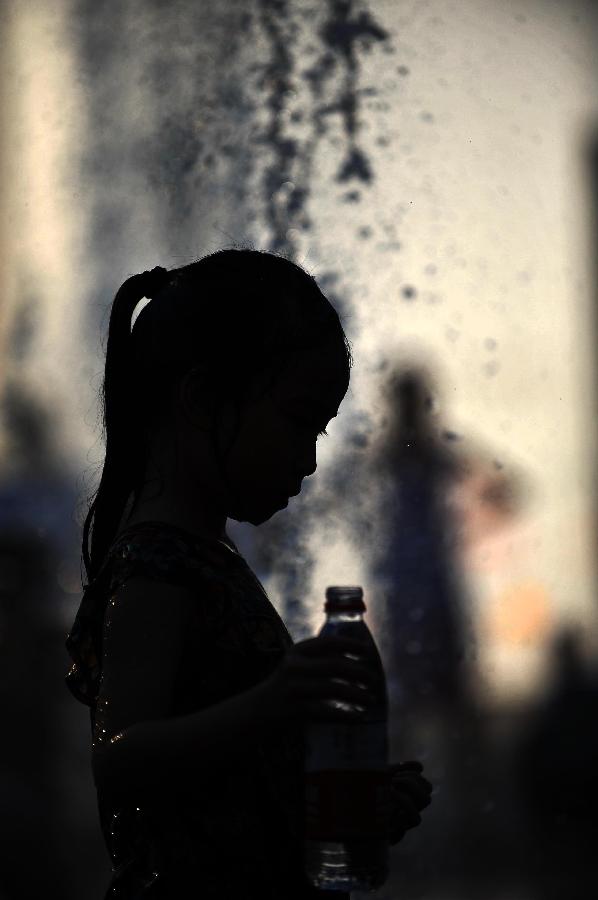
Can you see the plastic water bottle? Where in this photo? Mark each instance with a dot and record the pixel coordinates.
(346, 771)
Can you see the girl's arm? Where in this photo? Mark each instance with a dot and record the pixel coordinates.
(137, 747)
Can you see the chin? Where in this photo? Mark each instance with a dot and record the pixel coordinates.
(257, 516)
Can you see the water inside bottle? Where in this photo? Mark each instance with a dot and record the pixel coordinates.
(346, 866)
(347, 780)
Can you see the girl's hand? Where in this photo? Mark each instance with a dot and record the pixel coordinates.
(409, 794)
(315, 676)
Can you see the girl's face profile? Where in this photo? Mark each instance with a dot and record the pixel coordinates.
(275, 448)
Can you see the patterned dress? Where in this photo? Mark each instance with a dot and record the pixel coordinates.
(235, 832)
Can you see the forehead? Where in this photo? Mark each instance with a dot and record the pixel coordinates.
(318, 375)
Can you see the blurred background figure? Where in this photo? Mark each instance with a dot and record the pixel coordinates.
(438, 497)
(424, 638)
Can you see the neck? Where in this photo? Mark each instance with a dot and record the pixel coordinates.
(182, 486)
(192, 526)
(192, 513)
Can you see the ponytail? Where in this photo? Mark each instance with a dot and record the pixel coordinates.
(123, 437)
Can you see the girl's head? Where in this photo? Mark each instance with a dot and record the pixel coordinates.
(238, 362)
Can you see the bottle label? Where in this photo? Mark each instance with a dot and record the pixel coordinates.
(343, 805)
(346, 745)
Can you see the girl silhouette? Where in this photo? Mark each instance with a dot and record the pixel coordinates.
(213, 400)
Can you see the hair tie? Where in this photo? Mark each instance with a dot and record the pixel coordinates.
(151, 283)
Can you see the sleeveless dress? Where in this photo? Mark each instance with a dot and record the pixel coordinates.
(237, 830)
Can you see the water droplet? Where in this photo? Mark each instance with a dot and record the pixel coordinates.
(351, 197)
(491, 368)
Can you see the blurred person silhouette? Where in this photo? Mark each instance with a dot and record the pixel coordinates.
(441, 500)
(217, 389)
(424, 634)
(441, 497)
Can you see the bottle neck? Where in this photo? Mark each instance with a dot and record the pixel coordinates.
(337, 617)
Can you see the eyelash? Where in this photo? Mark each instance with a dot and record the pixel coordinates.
(322, 432)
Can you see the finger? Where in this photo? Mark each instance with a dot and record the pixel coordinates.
(410, 765)
(418, 795)
(323, 711)
(396, 834)
(405, 813)
(315, 646)
(412, 781)
(409, 769)
(325, 674)
(332, 692)
(412, 778)
(343, 668)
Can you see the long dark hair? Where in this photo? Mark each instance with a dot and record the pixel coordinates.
(233, 314)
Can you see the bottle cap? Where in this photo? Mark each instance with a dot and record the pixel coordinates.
(344, 599)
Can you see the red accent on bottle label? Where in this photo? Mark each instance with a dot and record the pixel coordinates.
(347, 804)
